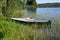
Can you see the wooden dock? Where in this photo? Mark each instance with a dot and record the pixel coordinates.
(29, 20)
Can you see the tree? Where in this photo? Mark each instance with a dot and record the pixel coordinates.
(31, 2)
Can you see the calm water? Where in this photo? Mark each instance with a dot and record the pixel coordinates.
(43, 13)
(52, 14)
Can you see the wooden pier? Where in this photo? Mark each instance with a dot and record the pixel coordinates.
(30, 20)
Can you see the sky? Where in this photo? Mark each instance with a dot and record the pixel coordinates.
(47, 1)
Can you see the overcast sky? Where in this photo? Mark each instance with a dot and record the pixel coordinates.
(47, 1)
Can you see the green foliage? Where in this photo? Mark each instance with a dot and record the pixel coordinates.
(14, 31)
(11, 31)
(1, 35)
(9, 8)
(49, 5)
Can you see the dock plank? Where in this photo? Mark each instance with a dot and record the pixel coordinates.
(29, 20)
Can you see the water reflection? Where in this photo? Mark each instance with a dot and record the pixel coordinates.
(52, 14)
(42, 13)
(29, 12)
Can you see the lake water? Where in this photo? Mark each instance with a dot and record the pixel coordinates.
(52, 14)
(42, 13)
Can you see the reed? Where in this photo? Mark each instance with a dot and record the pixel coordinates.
(10, 30)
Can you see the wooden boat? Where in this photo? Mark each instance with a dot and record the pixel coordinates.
(30, 20)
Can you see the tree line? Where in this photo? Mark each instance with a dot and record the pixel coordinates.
(49, 5)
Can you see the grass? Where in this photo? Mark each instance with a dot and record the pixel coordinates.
(10, 30)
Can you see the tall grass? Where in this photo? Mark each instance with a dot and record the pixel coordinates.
(10, 30)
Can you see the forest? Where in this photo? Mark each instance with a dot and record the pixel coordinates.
(49, 5)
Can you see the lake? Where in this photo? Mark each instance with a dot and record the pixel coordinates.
(52, 14)
(42, 13)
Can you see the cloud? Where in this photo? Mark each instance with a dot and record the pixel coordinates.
(47, 1)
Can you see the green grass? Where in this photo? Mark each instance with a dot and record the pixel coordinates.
(10, 30)
(13, 31)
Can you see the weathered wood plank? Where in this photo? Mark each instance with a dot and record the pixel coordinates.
(29, 20)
